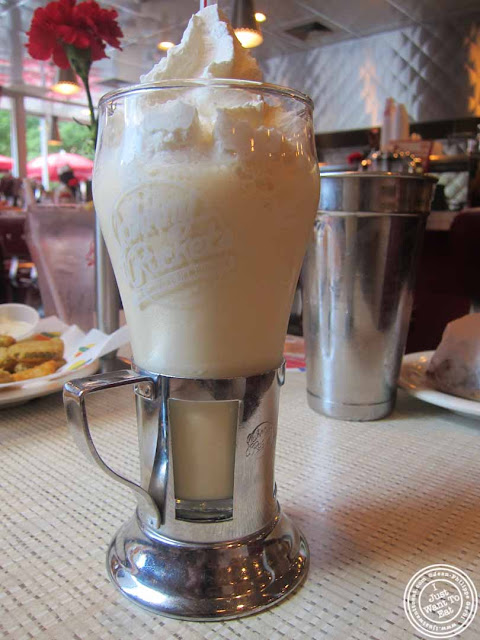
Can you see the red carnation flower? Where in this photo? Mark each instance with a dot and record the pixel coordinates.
(61, 24)
(103, 22)
(74, 35)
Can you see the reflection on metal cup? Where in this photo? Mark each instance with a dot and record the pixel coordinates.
(358, 281)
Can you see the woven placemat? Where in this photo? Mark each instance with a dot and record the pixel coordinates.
(377, 501)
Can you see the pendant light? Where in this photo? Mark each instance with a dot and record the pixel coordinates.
(66, 83)
(245, 25)
(54, 138)
(165, 45)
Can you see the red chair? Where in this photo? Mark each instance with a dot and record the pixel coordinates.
(465, 242)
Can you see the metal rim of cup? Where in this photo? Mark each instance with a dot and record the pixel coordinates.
(375, 192)
(379, 174)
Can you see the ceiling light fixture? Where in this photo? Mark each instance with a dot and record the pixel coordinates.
(165, 45)
(67, 83)
(244, 24)
(54, 139)
(260, 17)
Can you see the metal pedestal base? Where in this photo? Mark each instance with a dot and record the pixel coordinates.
(208, 582)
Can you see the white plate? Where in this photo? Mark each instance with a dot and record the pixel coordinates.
(43, 387)
(413, 379)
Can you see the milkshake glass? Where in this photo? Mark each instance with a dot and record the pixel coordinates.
(206, 191)
(206, 208)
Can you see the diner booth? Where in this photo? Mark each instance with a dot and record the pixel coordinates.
(385, 507)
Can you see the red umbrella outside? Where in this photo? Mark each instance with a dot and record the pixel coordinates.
(6, 163)
(81, 167)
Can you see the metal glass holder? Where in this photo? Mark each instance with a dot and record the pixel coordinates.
(213, 559)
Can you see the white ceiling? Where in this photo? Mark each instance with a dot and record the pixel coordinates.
(146, 22)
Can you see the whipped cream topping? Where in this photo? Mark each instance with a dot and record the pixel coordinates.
(208, 49)
(207, 122)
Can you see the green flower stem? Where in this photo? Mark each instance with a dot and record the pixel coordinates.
(93, 120)
(81, 60)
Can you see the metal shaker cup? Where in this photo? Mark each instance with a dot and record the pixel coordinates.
(357, 284)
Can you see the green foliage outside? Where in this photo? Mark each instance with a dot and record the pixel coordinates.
(75, 137)
(5, 133)
(33, 137)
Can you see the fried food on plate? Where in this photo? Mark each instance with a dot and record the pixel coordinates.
(21, 366)
(6, 341)
(34, 352)
(7, 361)
(29, 359)
(5, 376)
(44, 369)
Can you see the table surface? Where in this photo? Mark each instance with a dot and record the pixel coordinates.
(377, 502)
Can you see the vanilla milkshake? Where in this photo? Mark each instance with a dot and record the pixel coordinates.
(206, 186)
(206, 190)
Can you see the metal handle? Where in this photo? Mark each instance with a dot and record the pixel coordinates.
(74, 393)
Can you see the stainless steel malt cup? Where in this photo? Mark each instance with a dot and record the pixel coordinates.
(357, 282)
